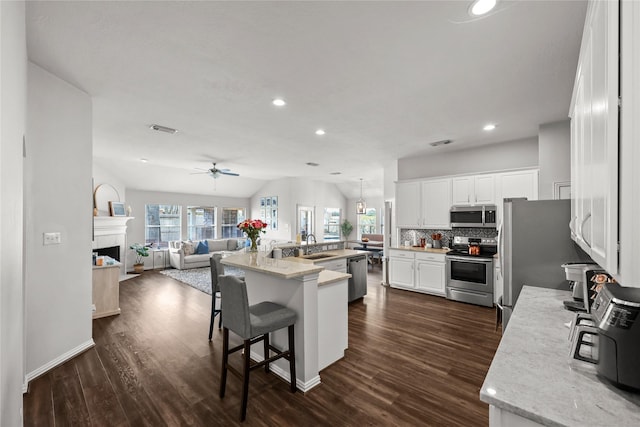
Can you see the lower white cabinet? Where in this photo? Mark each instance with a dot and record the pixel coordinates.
(423, 272)
(339, 265)
(401, 268)
(430, 273)
(497, 282)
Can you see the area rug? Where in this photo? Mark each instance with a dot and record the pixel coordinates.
(199, 278)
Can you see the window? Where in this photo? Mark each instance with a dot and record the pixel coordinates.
(231, 217)
(162, 224)
(201, 223)
(367, 222)
(331, 224)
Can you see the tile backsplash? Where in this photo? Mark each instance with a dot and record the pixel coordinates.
(447, 235)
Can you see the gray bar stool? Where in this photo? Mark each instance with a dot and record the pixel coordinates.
(253, 324)
(217, 269)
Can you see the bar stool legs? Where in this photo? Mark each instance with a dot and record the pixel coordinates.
(289, 354)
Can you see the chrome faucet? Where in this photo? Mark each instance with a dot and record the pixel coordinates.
(314, 241)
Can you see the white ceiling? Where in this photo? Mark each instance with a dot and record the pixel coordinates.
(382, 78)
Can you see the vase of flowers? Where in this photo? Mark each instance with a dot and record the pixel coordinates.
(253, 228)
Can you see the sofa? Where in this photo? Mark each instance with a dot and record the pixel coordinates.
(182, 253)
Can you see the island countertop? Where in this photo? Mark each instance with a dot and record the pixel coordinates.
(532, 375)
(274, 267)
(335, 254)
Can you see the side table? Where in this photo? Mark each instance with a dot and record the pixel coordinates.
(160, 256)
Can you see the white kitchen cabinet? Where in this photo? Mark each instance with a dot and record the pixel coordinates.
(517, 184)
(473, 190)
(408, 208)
(401, 268)
(498, 282)
(436, 203)
(339, 265)
(523, 183)
(430, 273)
(594, 138)
(485, 189)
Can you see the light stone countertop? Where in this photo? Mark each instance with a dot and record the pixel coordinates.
(274, 267)
(327, 277)
(533, 376)
(418, 249)
(337, 254)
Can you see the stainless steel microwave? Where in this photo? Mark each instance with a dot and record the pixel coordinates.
(473, 216)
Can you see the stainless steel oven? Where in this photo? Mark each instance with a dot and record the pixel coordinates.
(469, 278)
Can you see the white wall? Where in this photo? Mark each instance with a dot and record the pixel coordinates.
(13, 97)
(488, 158)
(298, 191)
(137, 199)
(554, 153)
(57, 199)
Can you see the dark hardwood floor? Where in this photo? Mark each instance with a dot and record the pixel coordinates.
(413, 359)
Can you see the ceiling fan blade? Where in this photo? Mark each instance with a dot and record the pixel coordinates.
(198, 173)
(223, 172)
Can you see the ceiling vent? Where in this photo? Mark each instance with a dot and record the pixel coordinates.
(443, 142)
(163, 129)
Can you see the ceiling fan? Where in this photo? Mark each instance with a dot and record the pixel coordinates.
(215, 173)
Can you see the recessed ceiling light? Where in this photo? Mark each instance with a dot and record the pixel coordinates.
(144, 160)
(279, 102)
(163, 129)
(489, 127)
(320, 132)
(312, 164)
(481, 7)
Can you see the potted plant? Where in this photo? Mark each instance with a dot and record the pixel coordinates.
(346, 228)
(142, 251)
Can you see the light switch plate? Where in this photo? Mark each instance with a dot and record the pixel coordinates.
(51, 239)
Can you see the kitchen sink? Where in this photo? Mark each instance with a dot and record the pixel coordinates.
(318, 256)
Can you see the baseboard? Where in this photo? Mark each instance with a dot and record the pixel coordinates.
(284, 374)
(56, 362)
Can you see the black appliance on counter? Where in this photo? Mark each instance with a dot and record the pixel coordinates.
(469, 270)
(481, 216)
(615, 317)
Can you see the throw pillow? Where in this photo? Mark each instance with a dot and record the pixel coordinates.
(203, 248)
(187, 248)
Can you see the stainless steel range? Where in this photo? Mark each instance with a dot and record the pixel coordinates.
(470, 270)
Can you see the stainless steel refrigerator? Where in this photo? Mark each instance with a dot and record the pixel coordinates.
(534, 241)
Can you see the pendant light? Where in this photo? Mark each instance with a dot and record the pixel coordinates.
(361, 206)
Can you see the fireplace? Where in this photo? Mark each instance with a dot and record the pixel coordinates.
(110, 233)
(111, 251)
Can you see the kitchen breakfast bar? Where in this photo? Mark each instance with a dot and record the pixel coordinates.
(318, 296)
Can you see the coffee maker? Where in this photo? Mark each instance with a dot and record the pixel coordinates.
(576, 274)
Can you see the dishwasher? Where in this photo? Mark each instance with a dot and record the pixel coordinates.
(357, 267)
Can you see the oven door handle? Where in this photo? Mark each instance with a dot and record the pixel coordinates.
(469, 259)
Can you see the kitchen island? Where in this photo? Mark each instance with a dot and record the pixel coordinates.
(532, 381)
(318, 296)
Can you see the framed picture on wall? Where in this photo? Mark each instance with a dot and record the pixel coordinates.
(117, 209)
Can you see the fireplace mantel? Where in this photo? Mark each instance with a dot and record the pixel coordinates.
(112, 231)
(109, 225)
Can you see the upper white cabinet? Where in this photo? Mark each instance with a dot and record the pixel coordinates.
(408, 208)
(517, 184)
(423, 204)
(436, 203)
(594, 137)
(473, 190)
